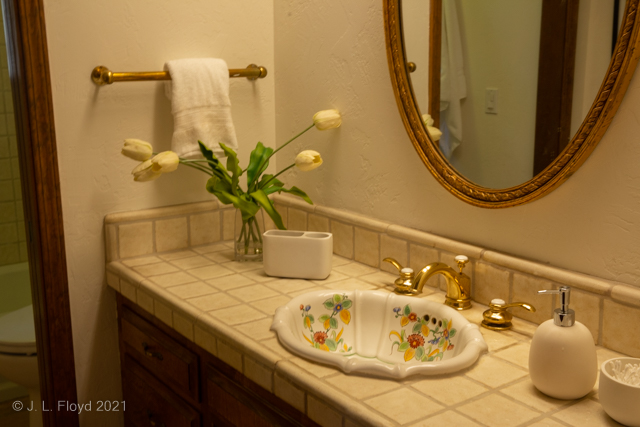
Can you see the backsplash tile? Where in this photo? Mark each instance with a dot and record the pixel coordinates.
(171, 234)
(600, 304)
(367, 247)
(342, 239)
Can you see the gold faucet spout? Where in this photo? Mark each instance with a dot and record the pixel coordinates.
(458, 283)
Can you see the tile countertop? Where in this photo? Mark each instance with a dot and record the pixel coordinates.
(227, 307)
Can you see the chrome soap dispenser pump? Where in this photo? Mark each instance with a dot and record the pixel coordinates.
(562, 358)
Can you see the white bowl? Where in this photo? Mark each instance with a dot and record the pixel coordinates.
(621, 401)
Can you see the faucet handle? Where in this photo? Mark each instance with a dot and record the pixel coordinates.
(395, 263)
(498, 318)
(405, 281)
(462, 260)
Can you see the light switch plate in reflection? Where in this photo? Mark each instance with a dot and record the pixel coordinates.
(491, 100)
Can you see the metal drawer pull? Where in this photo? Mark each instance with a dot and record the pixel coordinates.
(150, 353)
(154, 423)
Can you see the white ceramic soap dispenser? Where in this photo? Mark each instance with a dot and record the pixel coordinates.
(562, 359)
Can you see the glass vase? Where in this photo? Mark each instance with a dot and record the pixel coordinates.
(248, 237)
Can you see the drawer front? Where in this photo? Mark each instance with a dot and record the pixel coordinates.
(150, 404)
(174, 364)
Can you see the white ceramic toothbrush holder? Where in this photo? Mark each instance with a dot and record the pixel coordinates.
(297, 254)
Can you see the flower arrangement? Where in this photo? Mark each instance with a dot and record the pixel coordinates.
(224, 181)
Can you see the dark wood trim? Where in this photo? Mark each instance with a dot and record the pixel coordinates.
(556, 65)
(33, 105)
(435, 58)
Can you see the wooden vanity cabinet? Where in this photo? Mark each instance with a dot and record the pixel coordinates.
(169, 381)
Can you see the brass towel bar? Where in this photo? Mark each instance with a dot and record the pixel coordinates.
(101, 75)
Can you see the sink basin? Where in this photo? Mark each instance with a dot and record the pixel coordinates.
(378, 333)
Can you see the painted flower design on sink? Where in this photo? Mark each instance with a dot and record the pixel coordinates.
(328, 339)
(426, 326)
(377, 332)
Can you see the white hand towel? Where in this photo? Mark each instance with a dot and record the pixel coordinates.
(199, 94)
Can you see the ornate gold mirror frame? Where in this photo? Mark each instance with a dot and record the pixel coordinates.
(612, 90)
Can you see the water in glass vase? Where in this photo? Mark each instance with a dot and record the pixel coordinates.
(248, 237)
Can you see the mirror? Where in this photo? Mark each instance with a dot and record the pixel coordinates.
(510, 85)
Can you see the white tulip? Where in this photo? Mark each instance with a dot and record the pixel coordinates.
(144, 172)
(427, 119)
(327, 119)
(308, 160)
(164, 162)
(433, 131)
(137, 149)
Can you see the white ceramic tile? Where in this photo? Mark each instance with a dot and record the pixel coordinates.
(191, 262)
(497, 411)
(213, 302)
(233, 281)
(210, 272)
(394, 405)
(252, 293)
(494, 372)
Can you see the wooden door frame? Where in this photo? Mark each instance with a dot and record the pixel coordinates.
(556, 66)
(33, 106)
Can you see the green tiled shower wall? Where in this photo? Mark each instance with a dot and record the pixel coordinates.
(12, 232)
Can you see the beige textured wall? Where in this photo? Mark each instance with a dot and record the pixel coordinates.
(91, 123)
(332, 54)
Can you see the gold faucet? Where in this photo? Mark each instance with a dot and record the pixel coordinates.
(458, 283)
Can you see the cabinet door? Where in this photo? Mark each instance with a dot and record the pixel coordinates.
(232, 403)
(167, 359)
(148, 403)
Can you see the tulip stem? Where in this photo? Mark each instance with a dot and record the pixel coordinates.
(287, 143)
(260, 169)
(274, 176)
(197, 167)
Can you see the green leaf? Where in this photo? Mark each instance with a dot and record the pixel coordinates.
(331, 344)
(264, 201)
(419, 353)
(323, 318)
(403, 346)
(316, 345)
(233, 167)
(298, 192)
(395, 343)
(333, 323)
(346, 303)
(208, 154)
(218, 169)
(222, 191)
(417, 327)
(441, 343)
(407, 310)
(403, 335)
(337, 298)
(311, 319)
(328, 304)
(452, 333)
(268, 182)
(258, 163)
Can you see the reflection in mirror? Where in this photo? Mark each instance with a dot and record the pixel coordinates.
(19, 382)
(511, 81)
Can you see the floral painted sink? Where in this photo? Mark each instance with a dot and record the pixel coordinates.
(378, 333)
